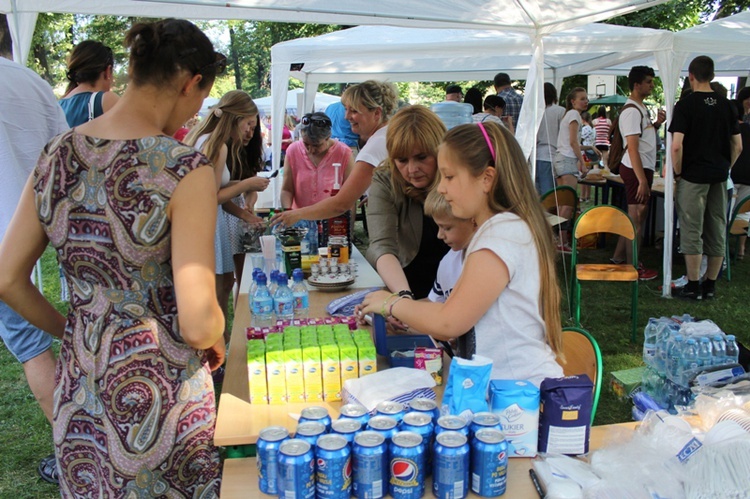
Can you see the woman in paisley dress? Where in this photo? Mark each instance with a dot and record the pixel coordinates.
(130, 212)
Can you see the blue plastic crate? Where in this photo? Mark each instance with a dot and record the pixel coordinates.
(403, 343)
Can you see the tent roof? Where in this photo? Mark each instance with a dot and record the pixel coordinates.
(541, 16)
(403, 54)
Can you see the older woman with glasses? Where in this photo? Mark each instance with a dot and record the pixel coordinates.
(309, 173)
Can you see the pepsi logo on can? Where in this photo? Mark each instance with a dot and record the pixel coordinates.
(333, 470)
(296, 470)
(407, 466)
(489, 462)
(450, 474)
(421, 423)
(396, 410)
(370, 467)
(267, 452)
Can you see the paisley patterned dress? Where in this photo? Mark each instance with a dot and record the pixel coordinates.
(134, 407)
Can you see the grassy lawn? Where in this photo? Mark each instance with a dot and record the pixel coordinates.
(25, 436)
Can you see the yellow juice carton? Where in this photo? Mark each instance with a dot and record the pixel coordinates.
(368, 361)
(313, 376)
(256, 371)
(295, 372)
(348, 359)
(275, 372)
(331, 370)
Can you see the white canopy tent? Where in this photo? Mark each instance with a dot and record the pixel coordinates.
(293, 97)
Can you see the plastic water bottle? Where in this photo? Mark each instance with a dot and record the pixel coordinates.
(649, 343)
(301, 295)
(718, 350)
(664, 333)
(689, 361)
(704, 352)
(262, 304)
(273, 284)
(283, 299)
(733, 351)
(253, 284)
(674, 354)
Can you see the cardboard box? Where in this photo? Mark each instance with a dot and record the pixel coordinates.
(627, 381)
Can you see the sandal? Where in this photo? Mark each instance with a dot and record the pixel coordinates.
(48, 469)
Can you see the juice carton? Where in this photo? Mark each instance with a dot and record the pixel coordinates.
(341, 328)
(313, 376)
(331, 370)
(256, 371)
(295, 372)
(430, 360)
(348, 358)
(275, 372)
(368, 361)
(325, 328)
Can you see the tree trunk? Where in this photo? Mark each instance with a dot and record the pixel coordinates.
(40, 53)
(235, 60)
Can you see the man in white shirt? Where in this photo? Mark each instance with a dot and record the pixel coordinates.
(639, 161)
(29, 117)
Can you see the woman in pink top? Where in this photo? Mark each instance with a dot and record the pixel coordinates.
(309, 174)
(602, 126)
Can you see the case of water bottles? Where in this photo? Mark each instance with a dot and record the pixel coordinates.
(679, 353)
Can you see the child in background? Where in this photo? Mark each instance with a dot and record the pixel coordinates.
(456, 233)
(507, 296)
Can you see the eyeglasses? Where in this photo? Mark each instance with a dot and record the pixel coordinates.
(317, 121)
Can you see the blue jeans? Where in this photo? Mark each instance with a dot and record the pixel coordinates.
(544, 179)
(22, 339)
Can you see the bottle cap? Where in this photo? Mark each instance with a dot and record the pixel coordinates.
(282, 278)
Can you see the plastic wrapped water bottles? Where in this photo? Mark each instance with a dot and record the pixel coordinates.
(674, 356)
(689, 361)
(704, 353)
(732, 350)
(283, 300)
(649, 343)
(301, 295)
(262, 304)
(718, 350)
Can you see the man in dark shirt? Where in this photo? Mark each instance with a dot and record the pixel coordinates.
(705, 144)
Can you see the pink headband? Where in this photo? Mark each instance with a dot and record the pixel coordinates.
(487, 139)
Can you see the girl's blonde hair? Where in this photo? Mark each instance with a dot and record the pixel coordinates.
(572, 96)
(513, 191)
(437, 206)
(370, 95)
(412, 128)
(223, 126)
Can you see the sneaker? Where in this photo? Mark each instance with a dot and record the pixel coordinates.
(564, 248)
(686, 294)
(645, 274)
(709, 291)
(616, 262)
(48, 469)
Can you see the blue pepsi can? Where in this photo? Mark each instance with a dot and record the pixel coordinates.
(310, 431)
(407, 466)
(369, 465)
(396, 410)
(347, 428)
(452, 423)
(421, 423)
(356, 412)
(489, 463)
(484, 420)
(384, 425)
(425, 405)
(333, 467)
(450, 472)
(296, 470)
(267, 457)
(316, 413)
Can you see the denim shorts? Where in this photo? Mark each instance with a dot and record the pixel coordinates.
(22, 339)
(565, 165)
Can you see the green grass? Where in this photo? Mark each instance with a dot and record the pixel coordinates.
(25, 435)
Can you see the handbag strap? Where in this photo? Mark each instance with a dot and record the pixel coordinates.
(91, 104)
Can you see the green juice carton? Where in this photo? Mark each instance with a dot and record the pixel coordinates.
(256, 371)
(275, 372)
(313, 376)
(368, 360)
(348, 359)
(331, 370)
(295, 372)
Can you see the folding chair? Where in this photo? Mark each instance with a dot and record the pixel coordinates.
(583, 356)
(736, 228)
(611, 220)
(562, 195)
